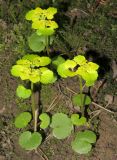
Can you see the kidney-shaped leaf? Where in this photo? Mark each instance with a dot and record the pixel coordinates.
(30, 141)
(82, 142)
(45, 120)
(81, 147)
(76, 120)
(76, 99)
(62, 125)
(36, 42)
(87, 136)
(23, 119)
(23, 92)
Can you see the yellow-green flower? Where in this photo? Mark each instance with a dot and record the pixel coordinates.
(41, 14)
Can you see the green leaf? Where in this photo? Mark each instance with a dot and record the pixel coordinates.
(62, 125)
(30, 141)
(56, 61)
(76, 99)
(36, 42)
(87, 136)
(23, 119)
(45, 120)
(78, 121)
(22, 92)
(81, 147)
(82, 142)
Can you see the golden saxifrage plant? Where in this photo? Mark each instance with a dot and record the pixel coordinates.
(35, 70)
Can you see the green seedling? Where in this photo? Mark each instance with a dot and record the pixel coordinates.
(44, 26)
(34, 70)
(87, 74)
(86, 71)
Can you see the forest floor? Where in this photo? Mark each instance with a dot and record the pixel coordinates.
(13, 31)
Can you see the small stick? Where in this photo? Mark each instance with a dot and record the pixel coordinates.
(52, 105)
(102, 107)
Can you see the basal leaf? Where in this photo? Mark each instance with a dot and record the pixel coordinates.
(81, 147)
(78, 121)
(76, 99)
(87, 136)
(45, 120)
(62, 125)
(30, 141)
(83, 141)
(23, 92)
(23, 119)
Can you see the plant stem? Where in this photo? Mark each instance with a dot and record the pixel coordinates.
(81, 89)
(47, 44)
(34, 110)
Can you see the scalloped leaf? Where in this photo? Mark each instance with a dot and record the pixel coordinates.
(82, 142)
(35, 75)
(30, 57)
(45, 120)
(16, 70)
(80, 60)
(50, 12)
(23, 92)
(76, 99)
(23, 119)
(65, 69)
(30, 141)
(78, 121)
(62, 125)
(47, 76)
(36, 42)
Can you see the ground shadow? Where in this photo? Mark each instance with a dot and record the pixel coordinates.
(102, 60)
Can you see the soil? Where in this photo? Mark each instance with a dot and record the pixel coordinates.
(104, 124)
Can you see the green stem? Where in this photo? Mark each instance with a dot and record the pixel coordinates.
(47, 44)
(81, 89)
(34, 111)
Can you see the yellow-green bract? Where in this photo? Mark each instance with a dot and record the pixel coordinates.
(79, 66)
(42, 20)
(30, 67)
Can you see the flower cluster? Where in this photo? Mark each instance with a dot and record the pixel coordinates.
(79, 66)
(42, 20)
(31, 67)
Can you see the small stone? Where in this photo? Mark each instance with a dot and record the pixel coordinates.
(2, 157)
(109, 98)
